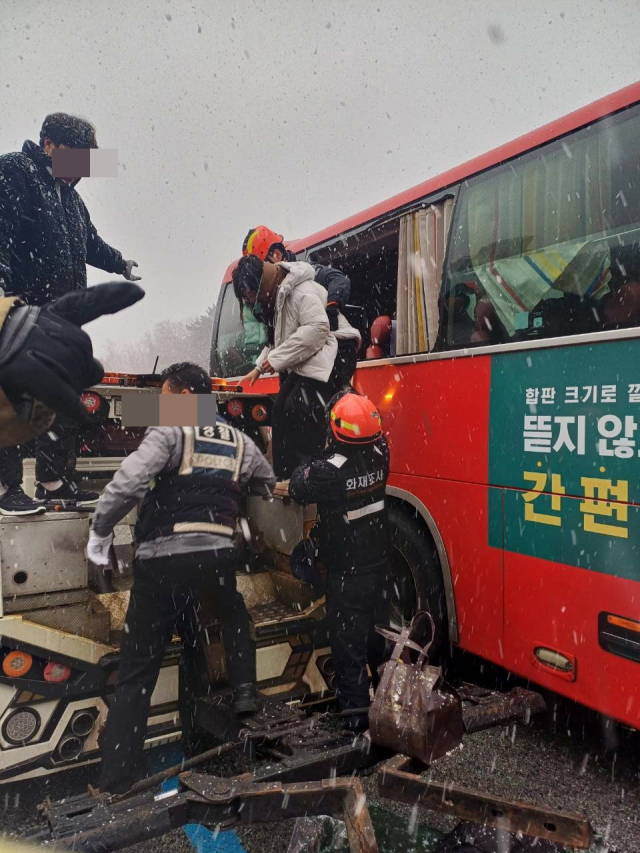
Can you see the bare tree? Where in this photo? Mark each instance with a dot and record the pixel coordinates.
(169, 341)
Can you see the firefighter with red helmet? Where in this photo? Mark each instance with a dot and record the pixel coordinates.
(347, 482)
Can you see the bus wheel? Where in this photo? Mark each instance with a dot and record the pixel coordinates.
(416, 574)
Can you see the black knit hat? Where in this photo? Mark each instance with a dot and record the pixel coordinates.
(64, 129)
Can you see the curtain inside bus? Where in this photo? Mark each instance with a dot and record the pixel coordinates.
(527, 236)
(548, 244)
(422, 243)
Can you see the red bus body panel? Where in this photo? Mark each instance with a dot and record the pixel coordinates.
(436, 415)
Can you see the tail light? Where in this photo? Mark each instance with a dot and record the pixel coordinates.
(17, 664)
(57, 673)
(259, 413)
(91, 402)
(235, 408)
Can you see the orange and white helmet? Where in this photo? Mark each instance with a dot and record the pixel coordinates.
(355, 420)
(259, 241)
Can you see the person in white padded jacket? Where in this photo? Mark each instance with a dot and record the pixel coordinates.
(302, 350)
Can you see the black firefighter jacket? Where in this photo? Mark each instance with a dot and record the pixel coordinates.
(45, 241)
(348, 485)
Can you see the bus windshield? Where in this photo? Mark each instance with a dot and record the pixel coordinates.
(239, 340)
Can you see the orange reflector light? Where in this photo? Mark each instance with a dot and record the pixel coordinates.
(57, 673)
(235, 407)
(629, 624)
(552, 658)
(17, 664)
(91, 402)
(259, 413)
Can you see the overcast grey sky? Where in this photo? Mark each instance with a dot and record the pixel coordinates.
(289, 113)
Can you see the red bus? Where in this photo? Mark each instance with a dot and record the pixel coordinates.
(509, 382)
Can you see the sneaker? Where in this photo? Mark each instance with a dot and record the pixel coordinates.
(245, 699)
(67, 493)
(15, 502)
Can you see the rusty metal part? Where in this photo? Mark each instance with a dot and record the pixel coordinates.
(414, 710)
(247, 736)
(303, 748)
(264, 802)
(323, 756)
(170, 772)
(483, 709)
(306, 750)
(398, 780)
(94, 824)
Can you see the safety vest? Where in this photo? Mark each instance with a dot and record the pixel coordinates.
(203, 495)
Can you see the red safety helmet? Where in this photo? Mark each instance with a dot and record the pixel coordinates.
(355, 420)
(259, 240)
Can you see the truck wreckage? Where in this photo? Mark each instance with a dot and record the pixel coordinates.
(60, 627)
(308, 768)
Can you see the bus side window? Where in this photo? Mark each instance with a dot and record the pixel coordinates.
(549, 242)
(370, 259)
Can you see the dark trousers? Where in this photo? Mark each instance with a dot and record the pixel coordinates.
(357, 601)
(299, 422)
(299, 415)
(345, 365)
(166, 595)
(54, 452)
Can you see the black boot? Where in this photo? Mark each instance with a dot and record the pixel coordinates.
(245, 699)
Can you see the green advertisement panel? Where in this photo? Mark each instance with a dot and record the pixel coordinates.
(564, 441)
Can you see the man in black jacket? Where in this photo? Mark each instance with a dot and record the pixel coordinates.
(269, 246)
(46, 240)
(348, 482)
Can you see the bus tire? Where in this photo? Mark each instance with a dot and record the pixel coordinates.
(415, 562)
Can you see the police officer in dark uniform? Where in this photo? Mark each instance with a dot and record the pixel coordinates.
(192, 481)
(348, 482)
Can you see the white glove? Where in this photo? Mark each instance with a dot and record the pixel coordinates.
(98, 548)
(128, 274)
